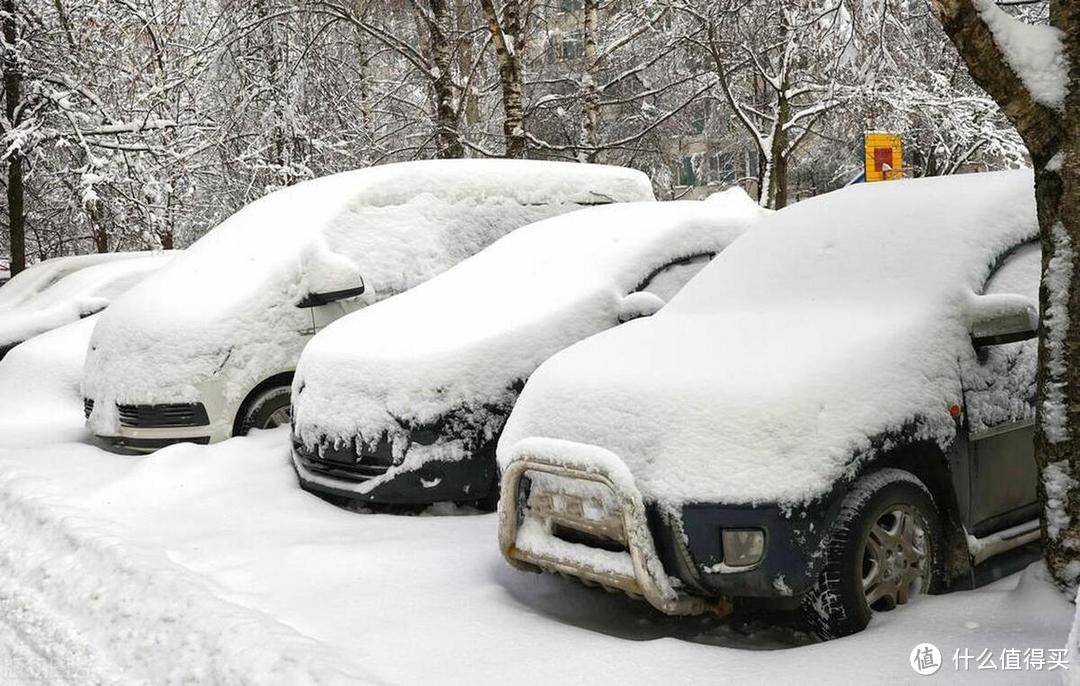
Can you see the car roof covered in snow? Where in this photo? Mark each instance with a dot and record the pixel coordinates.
(781, 367)
(37, 277)
(78, 294)
(466, 336)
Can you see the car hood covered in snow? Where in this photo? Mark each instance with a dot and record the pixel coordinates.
(837, 323)
(79, 294)
(230, 301)
(456, 349)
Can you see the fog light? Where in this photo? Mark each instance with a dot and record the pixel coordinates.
(743, 547)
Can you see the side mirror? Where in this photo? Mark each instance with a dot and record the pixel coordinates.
(1003, 318)
(326, 297)
(639, 304)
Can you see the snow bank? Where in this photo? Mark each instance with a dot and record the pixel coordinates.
(227, 307)
(778, 368)
(38, 277)
(97, 608)
(79, 294)
(455, 350)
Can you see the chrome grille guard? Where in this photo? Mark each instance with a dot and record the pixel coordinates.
(648, 579)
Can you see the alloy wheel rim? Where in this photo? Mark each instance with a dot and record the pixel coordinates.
(895, 558)
(279, 417)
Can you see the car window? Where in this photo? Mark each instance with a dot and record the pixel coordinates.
(1000, 381)
(1018, 273)
(666, 281)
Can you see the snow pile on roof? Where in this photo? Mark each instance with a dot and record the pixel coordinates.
(462, 343)
(834, 326)
(1035, 52)
(231, 298)
(38, 277)
(81, 293)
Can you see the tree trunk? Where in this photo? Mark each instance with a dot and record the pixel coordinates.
(1052, 137)
(465, 61)
(508, 38)
(12, 101)
(447, 136)
(590, 101)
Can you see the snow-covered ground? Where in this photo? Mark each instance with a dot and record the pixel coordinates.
(207, 564)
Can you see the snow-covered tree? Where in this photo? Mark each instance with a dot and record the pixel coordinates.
(1031, 71)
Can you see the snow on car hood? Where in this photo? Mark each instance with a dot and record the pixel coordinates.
(462, 341)
(79, 294)
(229, 302)
(836, 322)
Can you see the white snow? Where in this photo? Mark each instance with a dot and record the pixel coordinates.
(1056, 320)
(206, 564)
(767, 377)
(226, 309)
(78, 294)
(37, 277)
(457, 344)
(1035, 52)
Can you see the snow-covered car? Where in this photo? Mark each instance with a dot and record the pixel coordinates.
(206, 348)
(39, 276)
(835, 414)
(81, 293)
(404, 401)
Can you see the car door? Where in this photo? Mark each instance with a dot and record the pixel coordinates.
(999, 398)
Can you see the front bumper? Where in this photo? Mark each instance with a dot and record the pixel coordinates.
(601, 535)
(146, 428)
(432, 482)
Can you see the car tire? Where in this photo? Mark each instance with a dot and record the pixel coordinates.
(884, 546)
(267, 410)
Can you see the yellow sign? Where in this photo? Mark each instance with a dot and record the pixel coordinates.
(884, 156)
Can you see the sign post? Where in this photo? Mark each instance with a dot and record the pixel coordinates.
(884, 156)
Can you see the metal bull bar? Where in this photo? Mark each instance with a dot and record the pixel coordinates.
(648, 579)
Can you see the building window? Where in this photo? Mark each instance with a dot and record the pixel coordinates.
(723, 168)
(688, 171)
(571, 46)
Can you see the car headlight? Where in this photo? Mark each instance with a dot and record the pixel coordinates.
(743, 547)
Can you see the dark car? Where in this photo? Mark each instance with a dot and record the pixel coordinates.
(403, 402)
(835, 415)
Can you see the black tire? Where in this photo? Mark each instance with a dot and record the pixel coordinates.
(264, 410)
(912, 562)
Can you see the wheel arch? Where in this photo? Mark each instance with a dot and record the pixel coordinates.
(930, 465)
(281, 379)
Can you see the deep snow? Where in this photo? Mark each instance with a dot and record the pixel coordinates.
(208, 564)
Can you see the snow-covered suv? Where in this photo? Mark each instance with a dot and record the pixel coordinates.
(404, 401)
(205, 349)
(835, 414)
